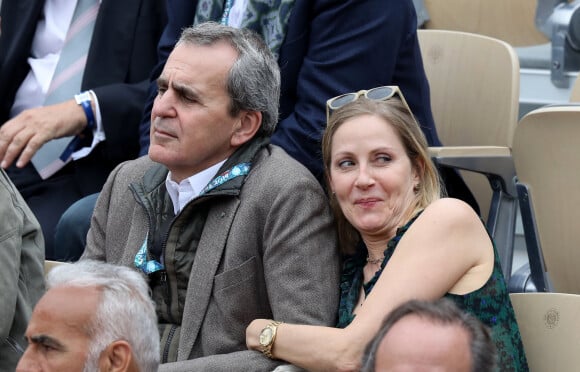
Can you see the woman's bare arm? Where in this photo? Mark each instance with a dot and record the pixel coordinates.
(443, 249)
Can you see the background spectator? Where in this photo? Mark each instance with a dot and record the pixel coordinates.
(40, 74)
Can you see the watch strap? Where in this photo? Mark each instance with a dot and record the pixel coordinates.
(267, 349)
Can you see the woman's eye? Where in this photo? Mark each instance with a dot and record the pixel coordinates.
(345, 163)
(383, 158)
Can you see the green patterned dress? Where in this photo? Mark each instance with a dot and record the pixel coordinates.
(490, 303)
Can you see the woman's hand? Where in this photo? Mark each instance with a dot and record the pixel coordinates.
(253, 333)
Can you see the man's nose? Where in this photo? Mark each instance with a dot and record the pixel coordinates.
(27, 362)
(164, 104)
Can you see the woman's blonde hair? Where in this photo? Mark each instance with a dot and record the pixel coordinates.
(396, 114)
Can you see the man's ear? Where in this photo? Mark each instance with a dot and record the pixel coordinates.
(249, 123)
(117, 357)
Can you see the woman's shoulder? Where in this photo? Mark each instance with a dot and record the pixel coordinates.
(451, 210)
(449, 228)
(449, 215)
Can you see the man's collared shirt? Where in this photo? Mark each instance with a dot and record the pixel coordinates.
(183, 192)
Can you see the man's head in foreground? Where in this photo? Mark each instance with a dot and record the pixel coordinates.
(93, 317)
(431, 336)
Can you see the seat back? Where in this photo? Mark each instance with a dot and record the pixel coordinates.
(474, 81)
(546, 153)
(512, 21)
(550, 327)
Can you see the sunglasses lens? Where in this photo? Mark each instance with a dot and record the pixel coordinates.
(380, 93)
(342, 100)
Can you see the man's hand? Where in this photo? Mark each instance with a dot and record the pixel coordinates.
(24, 134)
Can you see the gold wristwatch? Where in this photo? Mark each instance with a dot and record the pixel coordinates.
(267, 337)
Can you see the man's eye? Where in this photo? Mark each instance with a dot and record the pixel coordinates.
(46, 348)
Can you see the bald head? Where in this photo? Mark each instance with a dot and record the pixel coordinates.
(415, 343)
(430, 336)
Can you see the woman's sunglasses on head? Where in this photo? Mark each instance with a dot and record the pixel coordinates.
(376, 94)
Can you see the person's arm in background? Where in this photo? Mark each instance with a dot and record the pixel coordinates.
(119, 82)
(121, 104)
(351, 45)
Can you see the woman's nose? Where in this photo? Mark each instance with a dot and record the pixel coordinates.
(364, 178)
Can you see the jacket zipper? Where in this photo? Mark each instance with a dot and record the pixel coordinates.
(164, 279)
(168, 344)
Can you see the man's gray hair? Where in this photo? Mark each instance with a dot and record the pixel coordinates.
(442, 311)
(254, 80)
(125, 310)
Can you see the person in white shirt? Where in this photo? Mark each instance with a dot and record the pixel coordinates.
(121, 53)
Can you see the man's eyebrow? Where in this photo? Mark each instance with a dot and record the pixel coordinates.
(46, 340)
(162, 80)
(181, 88)
(185, 90)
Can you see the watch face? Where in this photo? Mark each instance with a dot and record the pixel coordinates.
(266, 336)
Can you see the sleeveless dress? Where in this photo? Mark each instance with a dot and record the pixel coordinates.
(490, 304)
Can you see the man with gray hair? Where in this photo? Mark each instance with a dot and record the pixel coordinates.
(431, 336)
(228, 227)
(94, 317)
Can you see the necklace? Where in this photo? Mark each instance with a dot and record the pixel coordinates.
(375, 260)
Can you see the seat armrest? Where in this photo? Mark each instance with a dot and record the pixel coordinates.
(488, 160)
(496, 163)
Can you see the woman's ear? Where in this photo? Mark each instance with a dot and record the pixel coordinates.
(418, 171)
(329, 183)
(247, 127)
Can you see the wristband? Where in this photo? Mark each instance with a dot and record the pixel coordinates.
(84, 99)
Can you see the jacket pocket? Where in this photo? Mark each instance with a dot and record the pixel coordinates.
(238, 298)
(236, 276)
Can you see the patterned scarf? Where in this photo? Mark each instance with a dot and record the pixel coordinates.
(269, 18)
